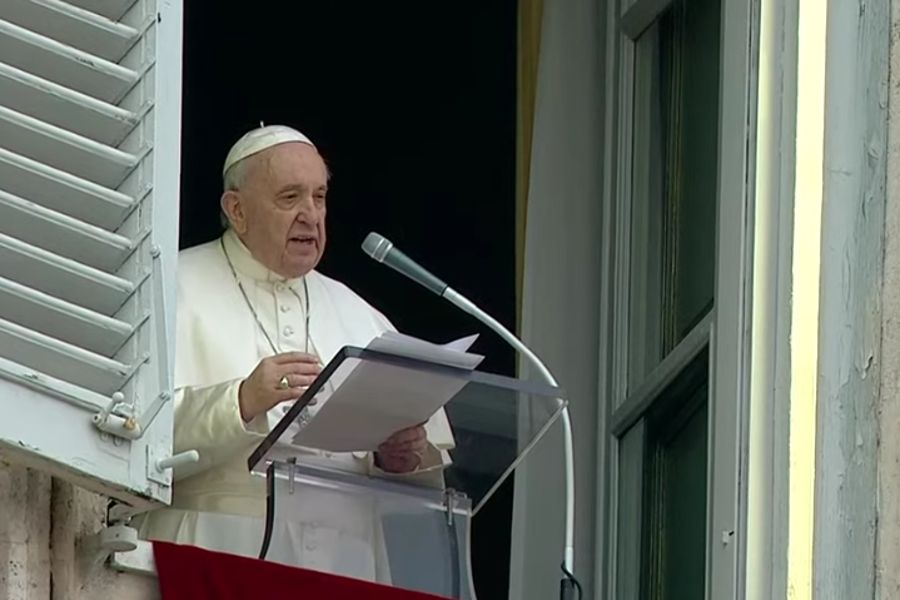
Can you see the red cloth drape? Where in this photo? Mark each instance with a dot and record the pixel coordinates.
(191, 573)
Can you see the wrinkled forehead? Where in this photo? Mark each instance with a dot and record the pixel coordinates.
(294, 164)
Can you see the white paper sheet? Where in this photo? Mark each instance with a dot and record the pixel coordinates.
(453, 354)
(375, 400)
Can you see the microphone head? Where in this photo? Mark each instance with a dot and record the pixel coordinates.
(376, 246)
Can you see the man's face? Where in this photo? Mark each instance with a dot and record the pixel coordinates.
(279, 210)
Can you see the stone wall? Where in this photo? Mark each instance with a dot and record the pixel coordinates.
(46, 529)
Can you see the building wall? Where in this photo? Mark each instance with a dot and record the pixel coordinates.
(45, 543)
(888, 536)
(850, 297)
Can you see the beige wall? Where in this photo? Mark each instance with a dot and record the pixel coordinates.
(44, 528)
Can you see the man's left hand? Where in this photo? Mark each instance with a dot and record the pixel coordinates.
(402, 452)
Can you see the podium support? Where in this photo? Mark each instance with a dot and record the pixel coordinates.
(383, 528)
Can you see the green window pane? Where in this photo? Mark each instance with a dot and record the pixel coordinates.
(675, 489)
(675, 170)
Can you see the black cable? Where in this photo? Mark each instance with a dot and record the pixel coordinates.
(270, 511)
(568, 586)
(454, 556)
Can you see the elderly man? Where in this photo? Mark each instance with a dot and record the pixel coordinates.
(255, 324)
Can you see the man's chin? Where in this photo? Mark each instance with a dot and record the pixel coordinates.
(298, 268)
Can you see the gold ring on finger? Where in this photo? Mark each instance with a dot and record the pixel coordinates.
(283, 383)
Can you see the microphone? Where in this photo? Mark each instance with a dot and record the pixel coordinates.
(383, 251)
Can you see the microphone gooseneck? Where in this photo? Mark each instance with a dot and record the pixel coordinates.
(382, 250)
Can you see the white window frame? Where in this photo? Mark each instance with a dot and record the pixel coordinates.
(723, 330)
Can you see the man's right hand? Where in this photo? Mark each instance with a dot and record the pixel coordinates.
(261, 390)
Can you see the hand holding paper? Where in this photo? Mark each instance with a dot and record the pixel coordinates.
(371, 401)
(402, 452)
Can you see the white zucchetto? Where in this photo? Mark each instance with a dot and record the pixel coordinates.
(261, 138)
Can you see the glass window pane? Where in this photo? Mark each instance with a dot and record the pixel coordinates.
(684, 537)
(674, 180)
(693, 26)
(628, 523)
(674, 494)
(645, 278)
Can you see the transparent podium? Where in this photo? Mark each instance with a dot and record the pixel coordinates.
(412, 531)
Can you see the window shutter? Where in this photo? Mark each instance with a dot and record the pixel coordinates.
(89, 177)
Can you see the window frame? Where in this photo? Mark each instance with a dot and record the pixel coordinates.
(723, 329)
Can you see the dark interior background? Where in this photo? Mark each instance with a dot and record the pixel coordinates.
(413, 107)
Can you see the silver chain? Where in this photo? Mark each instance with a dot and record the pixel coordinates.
(275, 349)
(305, 414)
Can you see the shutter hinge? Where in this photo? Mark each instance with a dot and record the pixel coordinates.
(128, 427)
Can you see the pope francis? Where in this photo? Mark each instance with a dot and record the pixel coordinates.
(255, 324)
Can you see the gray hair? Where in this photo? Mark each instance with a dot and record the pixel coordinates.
(232, 182)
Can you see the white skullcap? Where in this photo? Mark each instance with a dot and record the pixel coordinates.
(259, 139)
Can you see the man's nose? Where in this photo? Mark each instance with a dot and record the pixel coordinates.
(306, 211)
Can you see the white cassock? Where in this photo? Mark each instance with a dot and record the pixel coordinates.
(217, 504)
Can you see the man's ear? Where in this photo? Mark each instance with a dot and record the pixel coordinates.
(233, 207)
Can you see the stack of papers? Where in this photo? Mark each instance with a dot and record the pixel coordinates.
(370, 401)
(453, 354)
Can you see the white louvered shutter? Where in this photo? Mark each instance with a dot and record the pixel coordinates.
(90, 95)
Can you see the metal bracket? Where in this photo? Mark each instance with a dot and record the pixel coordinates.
(131, 427)
(292, 462)
(128, 427)
(152, 411)
(124, 427)
(139, 561)
(95, 549)
(159, 317)
(118, 512)
(158, 469)
(450, 504)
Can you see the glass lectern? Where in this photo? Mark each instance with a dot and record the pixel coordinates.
(392, 529)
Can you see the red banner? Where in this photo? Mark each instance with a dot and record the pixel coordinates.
(191, 573)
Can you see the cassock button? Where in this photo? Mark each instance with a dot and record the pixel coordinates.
(288, 331)
(285, 308)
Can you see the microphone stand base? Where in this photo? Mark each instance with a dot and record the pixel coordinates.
(566, 589)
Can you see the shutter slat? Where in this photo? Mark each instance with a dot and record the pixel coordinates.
(63, 191)
(62, 320)
(71, 25)
(63, 64)
(90, 97)
(64, 150)
(111, 9)
(62, 277)
(62, 234)
(51, 386)
(58, 105)
(59, 359)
